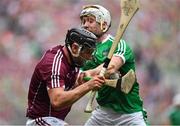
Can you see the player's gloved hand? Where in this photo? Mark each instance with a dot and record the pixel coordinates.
(87, 76)
(124, 83)
(96, 82)
(80, 79)
(115, 75)
(111, 73)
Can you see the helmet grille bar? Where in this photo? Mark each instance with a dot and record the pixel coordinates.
(82, 37)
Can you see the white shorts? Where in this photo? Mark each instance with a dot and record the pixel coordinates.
(105, 116)
(46, 121)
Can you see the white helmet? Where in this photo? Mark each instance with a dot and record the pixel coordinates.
(102, 14)
(176, 100)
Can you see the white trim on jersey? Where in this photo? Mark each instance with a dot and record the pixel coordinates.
(108, 37)
(56, 69)
(121, 50)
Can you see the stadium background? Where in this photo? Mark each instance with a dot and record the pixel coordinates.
(29, 27)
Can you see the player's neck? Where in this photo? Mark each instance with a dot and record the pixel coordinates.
(103, 37)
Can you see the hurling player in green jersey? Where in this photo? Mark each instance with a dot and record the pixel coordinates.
(174, 111)
(114, 106)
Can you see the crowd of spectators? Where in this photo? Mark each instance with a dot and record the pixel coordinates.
(29, 27)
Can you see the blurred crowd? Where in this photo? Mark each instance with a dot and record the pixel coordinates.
(29, 27)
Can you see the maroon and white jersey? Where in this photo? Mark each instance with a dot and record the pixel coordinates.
(53, 71)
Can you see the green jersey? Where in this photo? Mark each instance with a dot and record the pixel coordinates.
(174, 116)
(108, 96)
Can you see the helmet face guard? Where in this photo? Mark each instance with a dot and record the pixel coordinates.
(82, 40)
(86, 41)
(81, 36)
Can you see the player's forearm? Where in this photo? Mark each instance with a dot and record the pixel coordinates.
(75, 94)
(67, 98)
(93, 72)
(115, 64)
(60, 98)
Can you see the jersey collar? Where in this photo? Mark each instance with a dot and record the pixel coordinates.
(108, 36)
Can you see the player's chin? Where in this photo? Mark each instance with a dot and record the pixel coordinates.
(81, 63)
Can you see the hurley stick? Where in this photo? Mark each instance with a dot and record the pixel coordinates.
(128, 9)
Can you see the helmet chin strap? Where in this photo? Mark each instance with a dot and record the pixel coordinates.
(103, 29)
(74, 55)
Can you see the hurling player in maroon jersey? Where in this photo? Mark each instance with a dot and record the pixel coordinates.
(52, 89)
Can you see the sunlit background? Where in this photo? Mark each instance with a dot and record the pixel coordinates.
(29, 27)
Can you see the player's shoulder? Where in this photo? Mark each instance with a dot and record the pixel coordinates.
(50, 54)
(124, 43)
(111, 38)
(107, 42)
(55, 49)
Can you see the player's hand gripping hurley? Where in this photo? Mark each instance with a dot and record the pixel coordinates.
(128, 9)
